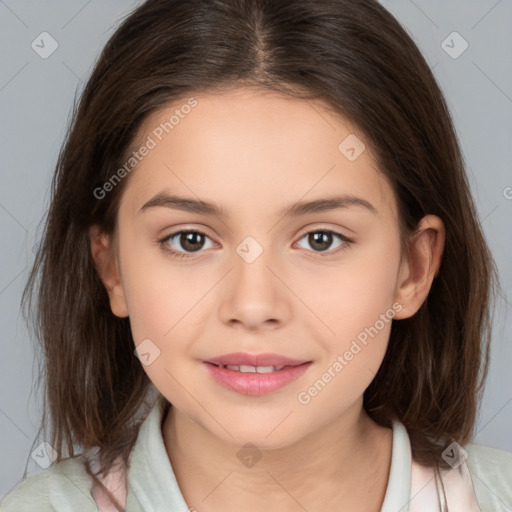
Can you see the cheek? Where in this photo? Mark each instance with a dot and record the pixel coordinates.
(161, 304)
(354, 295)
(158, 292)
(361, 316)
(357, 302)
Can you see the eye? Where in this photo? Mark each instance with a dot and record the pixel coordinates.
(320, 240)
(190, 241)
(183, 244)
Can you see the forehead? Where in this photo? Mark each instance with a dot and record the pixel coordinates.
(247, 145)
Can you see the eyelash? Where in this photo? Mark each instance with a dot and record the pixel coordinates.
(183, 255)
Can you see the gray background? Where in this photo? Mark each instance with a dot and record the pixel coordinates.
(36, 96)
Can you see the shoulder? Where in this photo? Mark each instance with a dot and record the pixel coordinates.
(53, 489)
(33, 489)
(491, 473)
(490, 461)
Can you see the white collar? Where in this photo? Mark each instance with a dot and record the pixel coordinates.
(411, 487)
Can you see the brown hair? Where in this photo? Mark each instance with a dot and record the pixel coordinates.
(356, 57)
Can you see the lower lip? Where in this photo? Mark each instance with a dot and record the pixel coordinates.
(256, 384)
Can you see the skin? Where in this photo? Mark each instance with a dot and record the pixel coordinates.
(255, 152)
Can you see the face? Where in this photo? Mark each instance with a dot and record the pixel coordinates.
(318, 285)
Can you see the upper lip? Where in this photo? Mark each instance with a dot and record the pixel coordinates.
(240, 358)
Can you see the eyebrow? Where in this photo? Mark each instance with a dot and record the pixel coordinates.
(191, 205)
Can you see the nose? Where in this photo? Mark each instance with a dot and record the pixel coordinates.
(254, 296)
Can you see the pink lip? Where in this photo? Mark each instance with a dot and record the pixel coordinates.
(241, 358)
(255, 384)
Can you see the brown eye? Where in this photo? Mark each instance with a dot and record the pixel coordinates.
(191, 241)
(322, 240)
(183, 242)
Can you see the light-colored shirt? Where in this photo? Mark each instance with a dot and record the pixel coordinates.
(483, 482)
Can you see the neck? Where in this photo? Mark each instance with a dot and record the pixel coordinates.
(346, 463)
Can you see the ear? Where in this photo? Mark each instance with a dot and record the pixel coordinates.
(105, 261)
(425, 251)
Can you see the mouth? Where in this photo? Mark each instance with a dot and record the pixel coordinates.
(262, 363)
(253, 380)
(252, 369)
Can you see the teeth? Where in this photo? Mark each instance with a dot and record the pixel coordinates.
(252, 369)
